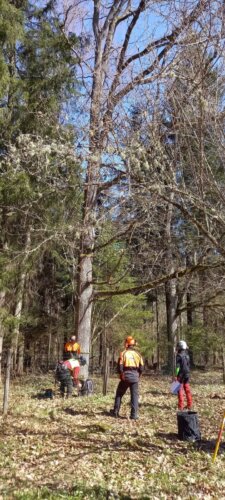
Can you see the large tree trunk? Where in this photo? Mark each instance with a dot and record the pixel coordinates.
(84, 299)
(84, 309)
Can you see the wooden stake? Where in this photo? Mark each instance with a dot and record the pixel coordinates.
(219, 439)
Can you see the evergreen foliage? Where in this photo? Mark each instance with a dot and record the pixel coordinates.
(40, 182)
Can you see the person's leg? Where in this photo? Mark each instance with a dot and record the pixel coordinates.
(76, 372)
(181, 398)
(121, 389)
(62, 388)
(187, 390)
(134, 400)
(69, 386)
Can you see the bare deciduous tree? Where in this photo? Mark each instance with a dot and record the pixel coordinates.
(126, 55)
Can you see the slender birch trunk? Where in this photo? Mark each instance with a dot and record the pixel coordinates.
(17, 314)
(7, 382)
(171, 295)
(49, 347)
(20, 364)
(2, 301)
(19, 302)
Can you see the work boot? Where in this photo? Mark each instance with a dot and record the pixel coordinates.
(114, 413)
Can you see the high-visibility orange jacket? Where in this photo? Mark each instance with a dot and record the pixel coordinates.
(130, 361)
(72, 347)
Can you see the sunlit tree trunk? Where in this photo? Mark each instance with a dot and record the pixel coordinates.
(19, 302)
(2, 302)
(171, 295)
(20, 358)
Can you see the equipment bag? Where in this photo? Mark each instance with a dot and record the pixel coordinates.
(87, 388)
(61, 372)
(175, 387)
(188, 426)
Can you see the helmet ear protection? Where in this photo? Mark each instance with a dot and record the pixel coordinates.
(129, 341)
(182, 345)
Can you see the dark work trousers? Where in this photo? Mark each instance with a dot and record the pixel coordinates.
(66, 384)
(121, 389)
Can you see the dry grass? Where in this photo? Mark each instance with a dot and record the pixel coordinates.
(72, 449)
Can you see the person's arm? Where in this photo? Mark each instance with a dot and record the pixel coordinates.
(120, 363)
(178, 366)
(141, 366)
(75, 373)
(120, 366)
(66, 347)
(75, 368)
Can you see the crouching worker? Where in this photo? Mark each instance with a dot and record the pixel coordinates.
(67, 373)
(130, 367)
(183, 375)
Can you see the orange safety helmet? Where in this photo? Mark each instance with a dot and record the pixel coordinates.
(129, 341)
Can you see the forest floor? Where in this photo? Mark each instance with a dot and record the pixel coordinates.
(72, 449)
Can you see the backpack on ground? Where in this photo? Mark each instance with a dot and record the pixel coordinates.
(87, 388)
(45, 394)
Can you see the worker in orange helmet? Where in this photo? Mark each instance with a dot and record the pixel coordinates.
(130, 365)
(72, 346)
(128, 341)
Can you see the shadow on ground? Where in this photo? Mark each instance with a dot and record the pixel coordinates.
(155, 405)
(157, 393)
(206, 445)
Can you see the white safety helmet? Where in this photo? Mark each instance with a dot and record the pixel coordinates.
(182, 344)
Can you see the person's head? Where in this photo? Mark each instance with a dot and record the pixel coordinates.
(182, 345)
(68, 356)
(73, 338)
(129, 342)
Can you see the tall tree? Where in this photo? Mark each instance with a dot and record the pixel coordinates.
(40, 179)
(116, 70)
